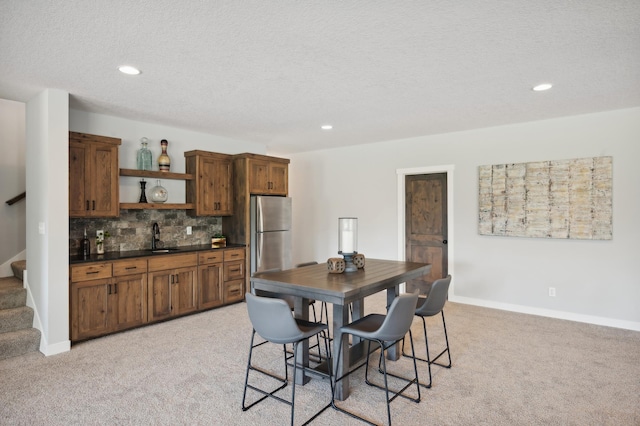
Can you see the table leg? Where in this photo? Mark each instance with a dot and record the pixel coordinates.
(394, 352)
(301, 311)
(340, 318)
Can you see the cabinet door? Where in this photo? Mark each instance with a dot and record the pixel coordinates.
(278, 178)
(104, 181)
(78, 163)
(233, 291)
(214, 196)
(128, 308)
(184, 292)
(210, 285)
(258, 176)
(159, 295)
(89, 309)
(233, 270)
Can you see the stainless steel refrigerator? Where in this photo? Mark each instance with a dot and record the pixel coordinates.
(270, 233)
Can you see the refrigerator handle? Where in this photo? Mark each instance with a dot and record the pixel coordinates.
(259, 243)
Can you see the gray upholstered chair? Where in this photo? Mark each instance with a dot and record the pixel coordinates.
(272, 320)
(386, 331)
(431, 305)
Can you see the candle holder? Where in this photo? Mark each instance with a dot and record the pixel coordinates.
(348, 241)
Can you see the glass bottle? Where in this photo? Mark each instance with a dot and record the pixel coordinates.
(144, 160)
(164, 162)
(158, 193)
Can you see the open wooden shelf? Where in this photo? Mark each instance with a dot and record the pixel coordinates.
(158, 206)
(156, 174)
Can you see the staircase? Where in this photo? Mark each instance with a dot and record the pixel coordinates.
(17, 336)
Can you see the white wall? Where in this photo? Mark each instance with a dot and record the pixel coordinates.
(596, 281)
(47, 118)
(180, 141)
(13, 181)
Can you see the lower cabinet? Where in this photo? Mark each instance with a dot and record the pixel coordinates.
(111, 296)
(173, 291)
(102, 305)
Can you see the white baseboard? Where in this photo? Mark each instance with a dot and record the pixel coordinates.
(590, 319)
(5, 268)
(45, 348)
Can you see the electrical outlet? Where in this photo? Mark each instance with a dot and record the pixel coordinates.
(552, 291)
(189, 230)
(100, 234)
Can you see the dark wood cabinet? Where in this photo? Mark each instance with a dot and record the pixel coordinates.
(210, 279)
(268, 176)
(93, 176)
(172, 286)
(211, 190)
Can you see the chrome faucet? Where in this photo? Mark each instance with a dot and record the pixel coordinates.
(155, 235)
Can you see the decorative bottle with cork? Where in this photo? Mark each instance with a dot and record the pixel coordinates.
(164, 162)
(85, 246)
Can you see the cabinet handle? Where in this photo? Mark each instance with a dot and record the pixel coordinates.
(91, 272)
(87, 208)
(115, 289)
(235, 255)
(235, 270)
(94, 204)
(131, 267)
(108, 288)
(234, 292)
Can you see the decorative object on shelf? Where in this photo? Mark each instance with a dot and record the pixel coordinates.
(336, 265)
(358, 260)
(164, 162)
(143, 195)
(218, 240)
(348, 241)
(158, 193)
(144, 160)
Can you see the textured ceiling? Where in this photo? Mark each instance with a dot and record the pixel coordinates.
(272, 72)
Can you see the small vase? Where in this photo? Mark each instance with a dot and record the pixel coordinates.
(158, 193)
(100, 247)
(144, 161)
(164, 162)
(143, 195)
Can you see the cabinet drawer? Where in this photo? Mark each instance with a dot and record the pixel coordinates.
(210, 257)
(93, 271)
(233, 270)
(172, 261)
(233, 254)
(233, 291)
(128, 267)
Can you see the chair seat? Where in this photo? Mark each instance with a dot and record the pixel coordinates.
(365, 327)
(309, 328)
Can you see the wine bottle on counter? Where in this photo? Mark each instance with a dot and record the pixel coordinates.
(85, 246)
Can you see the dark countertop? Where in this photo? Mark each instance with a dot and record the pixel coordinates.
(118, 255)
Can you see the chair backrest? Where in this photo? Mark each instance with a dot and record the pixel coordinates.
(399, 317)
(436, 299)
(272, 320)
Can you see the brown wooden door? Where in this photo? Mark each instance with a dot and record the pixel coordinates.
(258, 176)
(129, 305)
(104, 181)
(426, 226)
(184, 293)
(159, 295)
(89, 309)
(223, 187)
(210, 283)
(78, 198)
(278, 178)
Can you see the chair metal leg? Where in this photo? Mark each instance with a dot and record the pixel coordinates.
(430, 360)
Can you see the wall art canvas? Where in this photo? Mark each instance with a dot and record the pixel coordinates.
(547, 199)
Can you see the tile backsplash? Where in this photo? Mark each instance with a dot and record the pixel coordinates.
(132, 230)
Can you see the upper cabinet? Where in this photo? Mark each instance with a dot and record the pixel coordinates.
(211, 190)
(93, 176)
(268, 176)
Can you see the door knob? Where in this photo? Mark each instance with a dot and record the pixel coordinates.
(444, 242)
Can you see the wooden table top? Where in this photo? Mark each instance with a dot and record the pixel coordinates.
(315, 281)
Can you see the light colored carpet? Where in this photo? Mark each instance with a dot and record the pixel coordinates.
(508, 369)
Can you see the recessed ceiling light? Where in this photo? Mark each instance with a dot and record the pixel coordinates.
(127, 69)
(327, 127)
(542, 87)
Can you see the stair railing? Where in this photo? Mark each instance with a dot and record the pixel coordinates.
(17, 198)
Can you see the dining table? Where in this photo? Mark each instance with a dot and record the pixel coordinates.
(342, 290)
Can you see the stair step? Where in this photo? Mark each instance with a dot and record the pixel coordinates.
(15, 319)
(19, 342)
(12, 297)
(9, 282)
(18, 268)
